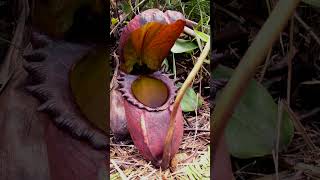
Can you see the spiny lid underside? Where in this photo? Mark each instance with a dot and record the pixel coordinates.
(49, 64)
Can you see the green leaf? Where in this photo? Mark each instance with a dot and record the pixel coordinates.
(165, 65)
(189, 101)
(181, 46)
(203, 36)
(314, 3)
(114, 21)
(252, 130)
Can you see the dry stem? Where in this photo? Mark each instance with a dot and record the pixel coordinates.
(167, 147)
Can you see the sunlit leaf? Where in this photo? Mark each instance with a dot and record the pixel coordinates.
(189, 102)
(252, 130)
(114, 21)
(89, 86)
(181, 46)
(203, 36)
(150, 44)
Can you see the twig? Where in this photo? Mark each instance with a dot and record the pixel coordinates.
(174, 67)
(122, 175)
(309, 114)
(270, 5)
(191, 23)
(122, 145)
(125, 17)
(308, 28)
(299, 127)
(276, 159)
(133, 10)
(291, 53)
(189, 31)
(167, 147)
(231, 14)
(194, 129)
(266, 64)
(9, 42)
(281, 44)
(113, 83)
(7, 68)
(196, 123)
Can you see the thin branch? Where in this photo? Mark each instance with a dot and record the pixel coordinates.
(291, 54)
(266, 64)
(231, 14)
(7, 68)
(189, 31)
(116, 26)
(167, 147)
(113, 83)
(9, 42)
(122, 175)
(279, 122)
(299, 127)
(308, 28)
(196, 129)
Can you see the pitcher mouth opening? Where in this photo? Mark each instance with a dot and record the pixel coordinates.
(150, 91)
(153, 92)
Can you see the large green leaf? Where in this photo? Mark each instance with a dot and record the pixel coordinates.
(252, 130)
(189, 101)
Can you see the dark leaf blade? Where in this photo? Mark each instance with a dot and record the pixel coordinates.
(252, 130)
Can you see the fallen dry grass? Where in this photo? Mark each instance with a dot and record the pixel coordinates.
(127, 163)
